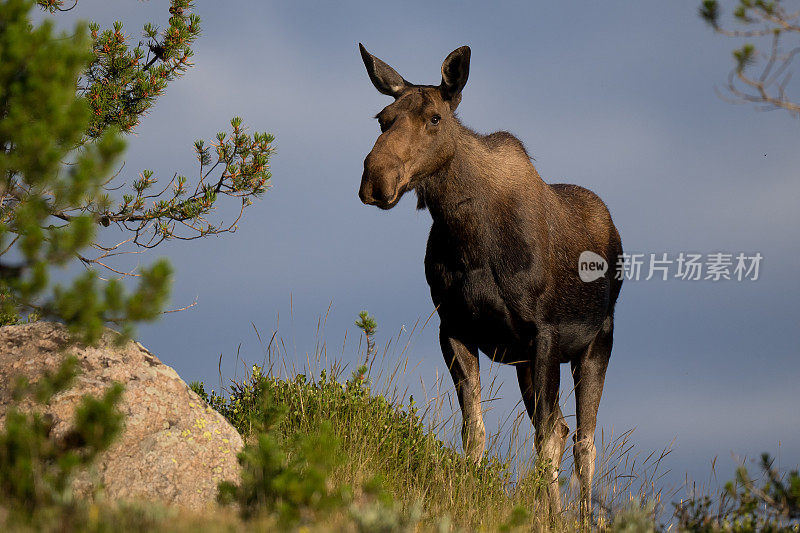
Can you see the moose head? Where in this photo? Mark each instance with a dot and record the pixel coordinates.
(418, 130)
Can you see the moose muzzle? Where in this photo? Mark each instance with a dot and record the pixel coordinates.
(380, 183)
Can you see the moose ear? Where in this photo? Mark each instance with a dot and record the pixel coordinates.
(383, 77)
(455, 71)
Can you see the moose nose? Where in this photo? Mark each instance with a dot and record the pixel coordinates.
(380, 179)
(378, 189)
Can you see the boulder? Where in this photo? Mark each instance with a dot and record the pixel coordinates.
(174, 448)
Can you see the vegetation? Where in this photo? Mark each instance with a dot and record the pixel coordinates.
(386, 469)
(326, 454)
(762, 65)
(382, 441)
(746, 506)
(66, 102)
(420, 480)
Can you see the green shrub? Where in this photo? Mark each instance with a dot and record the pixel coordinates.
(289, 480)
(378, 437)
(66, 102)
(746, 506)
(635, 518)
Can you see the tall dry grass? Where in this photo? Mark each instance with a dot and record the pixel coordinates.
(413, 443)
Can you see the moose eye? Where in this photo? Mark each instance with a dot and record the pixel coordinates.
(384, 125)
(435, 119)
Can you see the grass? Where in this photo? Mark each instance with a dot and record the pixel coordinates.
(383, 434)
(332, 450)
(379, 439)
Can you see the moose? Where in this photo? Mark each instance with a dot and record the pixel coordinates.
(501, 261)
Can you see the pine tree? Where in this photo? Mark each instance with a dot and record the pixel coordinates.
(66, 103)
(762, 71)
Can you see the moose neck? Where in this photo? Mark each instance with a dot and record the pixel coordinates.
(483, 173)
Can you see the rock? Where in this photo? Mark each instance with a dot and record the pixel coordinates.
(174, 448)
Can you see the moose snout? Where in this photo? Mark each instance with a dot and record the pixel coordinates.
(376, 191)
(379, 182)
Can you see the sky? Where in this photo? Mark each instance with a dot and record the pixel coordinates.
(615, 96)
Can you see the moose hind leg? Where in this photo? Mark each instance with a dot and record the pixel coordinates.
(539, 382)
(589, 372)
(462, 361)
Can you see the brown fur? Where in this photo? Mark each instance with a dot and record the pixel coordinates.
(501, 261)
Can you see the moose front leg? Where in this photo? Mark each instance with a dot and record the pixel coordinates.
(539, 382)
(462, 361)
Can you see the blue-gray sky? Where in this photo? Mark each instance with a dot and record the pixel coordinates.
(615, 96)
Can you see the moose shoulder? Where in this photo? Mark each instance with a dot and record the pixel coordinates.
(502, 260)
